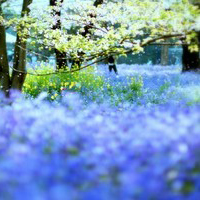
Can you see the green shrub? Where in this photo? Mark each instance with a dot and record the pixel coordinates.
(89, 84)
(54, 84)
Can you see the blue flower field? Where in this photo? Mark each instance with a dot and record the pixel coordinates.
(134, 136)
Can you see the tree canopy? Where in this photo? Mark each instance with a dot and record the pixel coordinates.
(117, 28)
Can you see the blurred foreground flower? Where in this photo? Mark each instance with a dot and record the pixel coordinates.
(54, 151)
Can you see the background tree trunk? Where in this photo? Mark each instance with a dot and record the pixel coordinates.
(19, 64)
(61, 59)
(165, 55)
(191, 60)
(98, 2)
(4, 67)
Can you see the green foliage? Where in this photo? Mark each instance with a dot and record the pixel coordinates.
(193, 95)
(94, 87)
(129, 92)
(136, 85)
(187, 188)
(54, 84)
(164, 87)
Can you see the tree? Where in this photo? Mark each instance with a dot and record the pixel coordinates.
(87, 32)
(61, 60)
(16, 80)
(19, 63)
(117, 26)
(190, 57)
(61, 57)
(164, 55)
(4, 68)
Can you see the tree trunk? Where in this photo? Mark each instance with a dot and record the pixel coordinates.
(191, 60)
(98, 2)
(89, 26)
(165, 55)
(61, 59)
(19, 64)
(4, 67)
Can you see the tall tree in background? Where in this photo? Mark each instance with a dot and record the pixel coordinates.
(98, 2)
(191, 59)
(16, 80)
(61, 59)
(164, 55)
(87, 32)
(89, 25)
